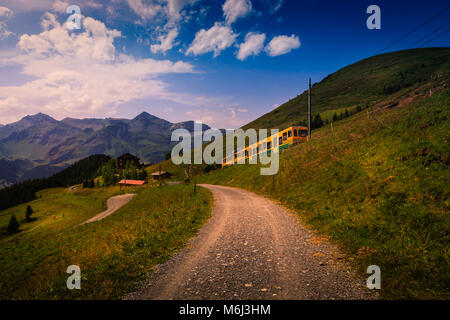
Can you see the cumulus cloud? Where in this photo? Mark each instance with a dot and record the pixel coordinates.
(280, 45)
(169, 14)
(81, 74)
(166, 42)
(216, 39)
(253, 45)
(235, 9)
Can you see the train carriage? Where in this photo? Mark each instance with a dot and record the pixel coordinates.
(274, 143)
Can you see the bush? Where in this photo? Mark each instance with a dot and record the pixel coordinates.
(13, 226)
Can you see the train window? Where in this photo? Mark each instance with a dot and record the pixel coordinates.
(290, 133)
(269, 145)
(284, 135)
(295, 132)
(303, 133)
(264, 145)
(254, 151)
(275, 141)
(280, 140)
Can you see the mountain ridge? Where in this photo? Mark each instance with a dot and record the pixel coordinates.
(50, 143)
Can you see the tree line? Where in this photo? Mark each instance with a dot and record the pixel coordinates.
(80, 171)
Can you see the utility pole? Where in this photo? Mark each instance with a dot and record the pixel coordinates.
(309, 110)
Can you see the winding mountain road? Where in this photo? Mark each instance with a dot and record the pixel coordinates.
(252, 248)
(112, 204)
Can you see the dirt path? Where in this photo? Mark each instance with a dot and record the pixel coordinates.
(113, 204)
(253, 249)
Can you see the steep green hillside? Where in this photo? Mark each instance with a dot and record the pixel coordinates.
(363, 84)
(379, 187)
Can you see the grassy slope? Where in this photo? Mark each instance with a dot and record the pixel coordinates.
(362, 84)
(379, 187)
(113, 253)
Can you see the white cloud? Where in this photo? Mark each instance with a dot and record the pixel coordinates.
(253, 45)
(282, 44)
(81, 74)
(145, 10)
(166, 42)
(235, 9)
(224, 117)
(216, 39)
(5, 14)
(168, 15)
(175, 7)
(45, 5)
(170, 10)
(4, 32)
(60, 6)
(276, 5)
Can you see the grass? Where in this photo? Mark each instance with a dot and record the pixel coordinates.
(113, 254)
(379, 187)
(362, 84)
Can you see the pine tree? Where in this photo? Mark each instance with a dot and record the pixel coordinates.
(28, 214)
(317, 122)
(13, 226)
(335, 117)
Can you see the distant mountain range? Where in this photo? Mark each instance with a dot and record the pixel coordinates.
(38, 146)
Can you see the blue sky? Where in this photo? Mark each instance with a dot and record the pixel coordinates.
(223, 62)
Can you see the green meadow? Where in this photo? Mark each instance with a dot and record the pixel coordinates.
(378, 187)
(113, 254)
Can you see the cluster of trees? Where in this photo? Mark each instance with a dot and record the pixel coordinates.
(111, 174)
(134, 173)
(89, 183)
(75, 174)
(13, 226)
(341, 115)
(316, 122)
(347, 113)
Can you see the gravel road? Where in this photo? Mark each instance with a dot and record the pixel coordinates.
(252, 248)
(113, 204)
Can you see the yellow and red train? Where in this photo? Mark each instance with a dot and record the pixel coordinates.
(280, 141)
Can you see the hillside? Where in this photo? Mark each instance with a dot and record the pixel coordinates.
(378, 186)
(363, 84)
(75, 174)
(114, 254)
(48, 145)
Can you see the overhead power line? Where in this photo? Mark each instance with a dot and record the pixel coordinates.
(432, 39)
(414, 30)
(429, 34)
